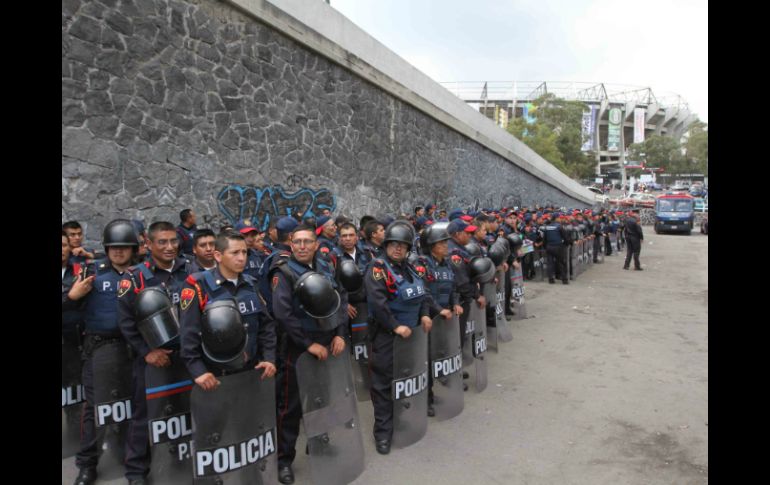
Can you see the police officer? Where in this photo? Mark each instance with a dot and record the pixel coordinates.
(634, 238)
(163, 268)
(281, 250)
(78, 253)
(227, 281)
(440, 281)
(203, 249)
(72, 274)
(97, 297)
(255, 259)
(326, 231)
(374, 235)
(300, 333)
(469, 292)
(186, 231)
(555, 238)
(398, 304)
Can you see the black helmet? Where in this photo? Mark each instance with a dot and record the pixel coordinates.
(400, 231)
(514, 240)
(318, 298)
(436, 233)
(499, 252)
(482, 270)
(120, 232)
(155, 317)
(223, 335)
(350, 277)
(473, 248)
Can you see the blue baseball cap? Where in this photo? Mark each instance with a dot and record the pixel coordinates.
(459, 226)
(245, 227)
(286, 224)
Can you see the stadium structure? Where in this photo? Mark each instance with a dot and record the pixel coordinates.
(639, 111)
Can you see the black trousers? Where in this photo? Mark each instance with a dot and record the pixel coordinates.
(381, 368)
(607, 246)
(88, 456)
(634, 248)
(138, 439)
(597, 246)
(508, 289)
(289, 407)
(556, 256)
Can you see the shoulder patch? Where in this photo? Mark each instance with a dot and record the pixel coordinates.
(124, 286)
(187, 296)
(378, 273)
(420, 271)
(324, 249)
(274, 284)
(456, 259)
(190, 279)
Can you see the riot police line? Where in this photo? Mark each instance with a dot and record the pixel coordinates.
(172, 371)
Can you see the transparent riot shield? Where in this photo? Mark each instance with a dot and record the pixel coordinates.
(330, 418)
(410, 387)
(234, 431)
(572, 252)
(590, 251)
(112, 405)
(446, 365)
(579, 257)
(360, 348)
(479, 346)
(517, 294)
(502, 329)
(468, 326)
(72, 398)
(167, 390)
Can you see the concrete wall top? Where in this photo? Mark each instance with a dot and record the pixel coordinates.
(321, 28)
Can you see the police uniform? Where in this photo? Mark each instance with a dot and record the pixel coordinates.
(255, 260)
(100, 319)
(328, 248)
(202, 289)
(555, 238)
(185, 236)
(396, 295)
(71, 311)
(298, 332)
(281, 251)
(371, 250)
(82, 260)
(139, 277)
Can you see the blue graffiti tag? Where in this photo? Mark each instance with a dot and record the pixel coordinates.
(261, 204)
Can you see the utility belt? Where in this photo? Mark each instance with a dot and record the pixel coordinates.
(92, 341)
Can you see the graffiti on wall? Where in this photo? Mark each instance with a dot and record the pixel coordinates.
(263, 204)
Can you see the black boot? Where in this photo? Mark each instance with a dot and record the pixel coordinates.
(86, 476)
(285, 474)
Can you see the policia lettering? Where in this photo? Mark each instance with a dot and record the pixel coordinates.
(410, 386)
(215, 461)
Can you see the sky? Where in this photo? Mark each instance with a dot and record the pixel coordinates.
(661, 44)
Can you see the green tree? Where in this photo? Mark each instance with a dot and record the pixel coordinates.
(658, 151)
(697, 147)
(557, 135)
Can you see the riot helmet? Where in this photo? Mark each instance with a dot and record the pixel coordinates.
(319, 299)
(223, 334)
(156, 320)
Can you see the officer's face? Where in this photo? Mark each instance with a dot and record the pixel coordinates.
(259, 239)
(75, 237)
(330, 230)
(191, 220)
(379, 235)
(481, 233)
(348, 238)
(420, 213)
(396, 251)
(233, 260)
(65, 250)
(463, 238)
(142, 245)
(250, 237)
(273, 233)
(303, 246)
(204, 250)
(119, 255)
(440, 249)
(164, 246)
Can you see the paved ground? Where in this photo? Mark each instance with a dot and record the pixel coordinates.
(606, 383)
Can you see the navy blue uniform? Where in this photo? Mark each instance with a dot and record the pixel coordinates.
(202, 289)
(185, 236)
(100, 321)
(254, 262)
(555, 237)
(71, 311)
(396, 295)
(634, 238)
(139, 277)
(298, 333)
(81, 259)
(281, 251)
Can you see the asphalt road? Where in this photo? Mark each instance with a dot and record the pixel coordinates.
(605, 383)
